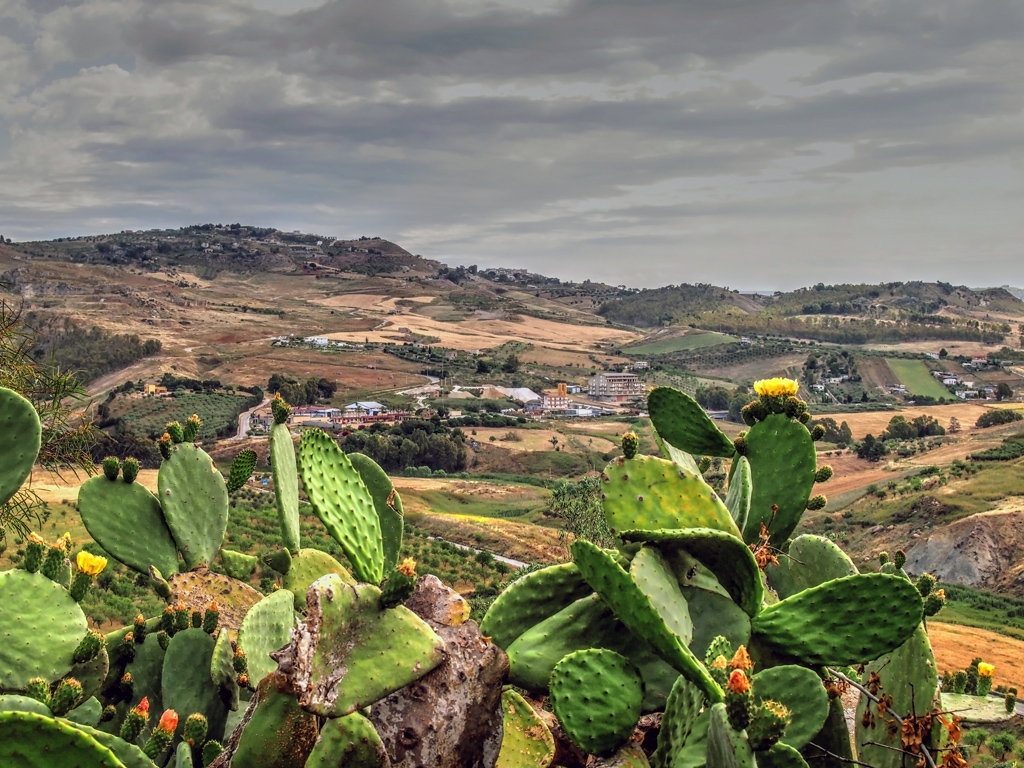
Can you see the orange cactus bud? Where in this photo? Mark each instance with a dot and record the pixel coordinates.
(738, 682)
(143, 706)
(741, 659)
(168, 721)
(212, 606)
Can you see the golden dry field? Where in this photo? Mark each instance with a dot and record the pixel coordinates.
(955, 646)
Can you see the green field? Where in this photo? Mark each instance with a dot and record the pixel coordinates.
(914, 375)
(682, 343)
(149, 415)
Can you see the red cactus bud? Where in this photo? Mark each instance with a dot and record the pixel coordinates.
(168, 721)
(143, 706)
(738, 682)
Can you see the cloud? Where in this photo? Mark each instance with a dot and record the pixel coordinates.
(767, 144)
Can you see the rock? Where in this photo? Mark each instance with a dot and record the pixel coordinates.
(450, 718)
(975, 551)
(876, 529)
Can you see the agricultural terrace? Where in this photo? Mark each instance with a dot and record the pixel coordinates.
(915, 376)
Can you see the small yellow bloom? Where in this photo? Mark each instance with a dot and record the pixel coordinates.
(35, 538)
(941, 594)
(720, 662)
(986, 670)
(776, 387)
(89, 564)
(407, 567)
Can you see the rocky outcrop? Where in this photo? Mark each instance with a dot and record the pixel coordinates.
(977, 551)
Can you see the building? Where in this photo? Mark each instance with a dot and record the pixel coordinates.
(155, 389)
(555, 399)
(368, 408)
(641, 365)
(616, 387)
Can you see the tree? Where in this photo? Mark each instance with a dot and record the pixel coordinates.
(1001, 744)
(871, 448)
(943, 353)
(1003, 391)
(482, 366)
(511, 364)
(579, 506)
(954, 425)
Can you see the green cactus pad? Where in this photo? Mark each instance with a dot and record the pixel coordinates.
(681, 459)
(527, 742)
(349, 741)
(716, 616)
(690, 572)
(129, 754)
(844, 621)
(12, 702)
(810, 561)
(342, 502)
(186, 683)
(266, 628)
(657, 582)
(630, 755)
(634, 609)
(681, 422)
(724, 555)
(834, 737)
(782, 464)
(279, 735)
(741, 488)
(194, 499)
(596, 696)
(383, 650)
(182, 756)
(86, 713)
(286, 484)
(910, 676)
(92, 673)
(241, 469)
(28, 740)
(531, 599)
(727, 748)
(780, 755)
(802, 693)
(40, 627)
(20, 436)
(147, 669)
(116, 512)
(307, 566)
(238, 565)
(650, 493)
(222, 671)
(681, 712)
(693, 752)
(388, 505)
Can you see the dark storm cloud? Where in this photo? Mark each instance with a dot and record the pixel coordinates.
(760, 144)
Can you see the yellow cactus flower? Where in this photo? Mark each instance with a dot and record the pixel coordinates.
(89, 564)
(720, 662)
(407, 567)
(986, 670)
(741, 660)
(776, 387)
(35, 538)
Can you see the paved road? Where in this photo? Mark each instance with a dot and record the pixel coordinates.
(506, 560)
(243, 420)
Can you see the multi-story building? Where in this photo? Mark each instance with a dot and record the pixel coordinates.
(616, 387)
(555, 399)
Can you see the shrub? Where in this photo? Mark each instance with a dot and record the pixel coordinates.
(995, 417)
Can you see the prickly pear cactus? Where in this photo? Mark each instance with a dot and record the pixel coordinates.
(29, 740)
(266, 628)
(810, 561)
(681, 422)
(388, 505)
(350, 741)
(527, 742)
(286, 484)
(194, 498)
(307, 566)
(20, 437)
(187, 685)
(279, 734)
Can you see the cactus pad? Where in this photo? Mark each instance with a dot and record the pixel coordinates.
(194, 499)
(196, 589)
(182, 757)
(279, 734)
(266, 628)
(530, 600)
(634, 609)
(780, 755)
(724, 555)
(286, 484)
(86, 713)
(727, 748)
(800, 690)
(596, 696)
(307, 566)
(237, 565)
(28, 740)
(222, 671)
(40, 627)
(349, 741)
(388, 504)
(12, 702)
(650, 493)
(844, 621)
(782, 465)
(241, 469)
(716, 616)
(186, 683)
(657, 582)
(92, 673)
(116, 512)
(681, 422)
(681, 712)
(380, 650)
(737, 500)
(810, 561)
(147, 670)
(342, 502)
(527, 742)
(129, 754)
(20, 436)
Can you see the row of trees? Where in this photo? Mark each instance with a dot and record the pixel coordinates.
(306, 392)
(412, 443)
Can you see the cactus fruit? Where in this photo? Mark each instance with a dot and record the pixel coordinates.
(180, 617)
(681, 422)
(54, 562)
(723, 554)
(782, 466)
(30, 740)
(810, 561)
(527, 742)
(41, 626)
(634, 609)
(630, 444)
(175, 430)
(211, 616)
(20, 438)
(800, 691)
(349, 741)
(164, 444)
(111, 468)
(286, 482)
(194, 499)
(186, 682)
(197, 620)
(88, 648)
(737, 501)
(162, 735)
(817, 502)
(883, 558)
(342, 502)
(130, 469)
(345, 627)
(241, 469)
(899, 559)
(135, 721)
(842, 622)
(531, 599)
(190, 430)
(307, 566)
(388, 505)
(35, 549)
(279, 560)
(596, 695)
(280, 409)
(266, 628)
(650, 493)
(115, 512)
(194, 731)
(237, 565)
(399, 584)
(66, 696)
(823, 474)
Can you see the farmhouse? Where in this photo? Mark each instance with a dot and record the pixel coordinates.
(616, 387)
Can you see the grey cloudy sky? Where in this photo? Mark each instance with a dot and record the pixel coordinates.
(766, 144)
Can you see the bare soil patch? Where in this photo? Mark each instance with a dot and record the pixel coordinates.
(955, 646)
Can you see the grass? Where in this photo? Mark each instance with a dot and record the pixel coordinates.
(681, 343)
(985, 610)
(150, 415)
(914, 375)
